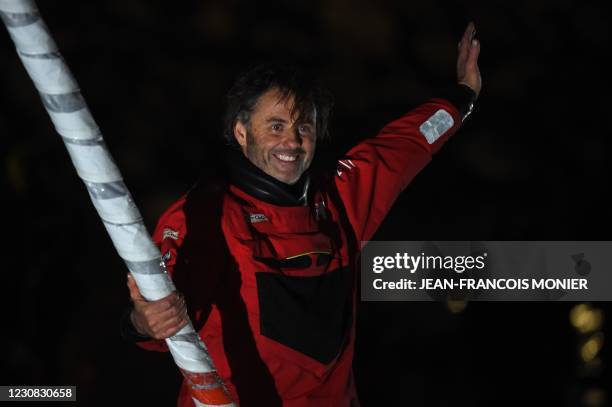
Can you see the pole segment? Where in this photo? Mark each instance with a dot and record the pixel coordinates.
(94, 164)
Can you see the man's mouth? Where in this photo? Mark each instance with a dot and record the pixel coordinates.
(287, 158)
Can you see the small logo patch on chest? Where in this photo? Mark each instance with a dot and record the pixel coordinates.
(169, 233)
(257, 217)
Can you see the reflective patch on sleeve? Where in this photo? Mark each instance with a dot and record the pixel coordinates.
(438, 124)
(343, 165)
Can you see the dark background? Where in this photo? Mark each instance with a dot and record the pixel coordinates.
(530, 164)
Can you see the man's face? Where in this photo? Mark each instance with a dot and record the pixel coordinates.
(274, 141)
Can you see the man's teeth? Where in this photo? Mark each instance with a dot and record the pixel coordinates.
(288, 158)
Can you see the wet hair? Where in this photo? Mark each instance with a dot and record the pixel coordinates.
(291, 80)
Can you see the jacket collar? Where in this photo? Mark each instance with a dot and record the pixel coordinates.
(246, 176)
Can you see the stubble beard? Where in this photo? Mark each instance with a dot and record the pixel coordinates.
(256, 155)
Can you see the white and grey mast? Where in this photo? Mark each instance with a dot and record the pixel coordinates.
(72, 119)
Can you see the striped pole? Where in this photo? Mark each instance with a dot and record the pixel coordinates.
(72, 119)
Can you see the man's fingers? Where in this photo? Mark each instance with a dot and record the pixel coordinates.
(472, 59)
(170, 327)
(157, 319)
(469, 49)
(465, 45)
(474, 50)
(134, 291)
(167, 303)
(157, 314)
(157, 323)
(161, 318)
(175, 323)
(463, 53)
(469, 32)
(467, 59)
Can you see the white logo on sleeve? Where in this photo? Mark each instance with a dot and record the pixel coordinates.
(438, 124)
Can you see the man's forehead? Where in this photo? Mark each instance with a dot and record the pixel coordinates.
(274, 103)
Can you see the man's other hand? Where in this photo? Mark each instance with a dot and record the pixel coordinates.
(467, 60)
(158, 319)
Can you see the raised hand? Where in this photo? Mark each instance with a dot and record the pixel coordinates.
(467, 60)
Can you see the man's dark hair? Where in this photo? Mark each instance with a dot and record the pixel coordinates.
(292, 81)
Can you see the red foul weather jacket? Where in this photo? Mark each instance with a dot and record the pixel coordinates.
(271, 288)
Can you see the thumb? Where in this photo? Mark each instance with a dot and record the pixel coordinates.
(134, 291)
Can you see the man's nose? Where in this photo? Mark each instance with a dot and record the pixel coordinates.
(292, 138)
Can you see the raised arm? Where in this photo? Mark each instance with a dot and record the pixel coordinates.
(372, 174)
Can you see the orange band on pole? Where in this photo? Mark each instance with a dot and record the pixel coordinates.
(206, 388)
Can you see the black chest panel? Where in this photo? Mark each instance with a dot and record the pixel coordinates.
(311, 315)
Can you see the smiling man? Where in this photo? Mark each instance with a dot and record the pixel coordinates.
(266, 256)
(275, 140)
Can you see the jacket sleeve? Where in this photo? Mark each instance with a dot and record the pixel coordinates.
(192, 248)
(168, 236)
(372, 174)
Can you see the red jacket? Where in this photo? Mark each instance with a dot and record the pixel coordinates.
(271, 289)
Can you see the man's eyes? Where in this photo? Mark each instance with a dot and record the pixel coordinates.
(305, 129)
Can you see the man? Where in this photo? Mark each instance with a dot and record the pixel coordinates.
(266, 257)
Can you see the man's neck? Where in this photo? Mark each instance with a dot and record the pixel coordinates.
(251, 179)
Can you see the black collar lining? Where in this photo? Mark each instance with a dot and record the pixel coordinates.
(251, 179)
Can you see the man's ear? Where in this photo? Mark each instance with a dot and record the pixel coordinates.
(240, 133)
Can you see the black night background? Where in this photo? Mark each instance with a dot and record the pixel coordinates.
(529, 164)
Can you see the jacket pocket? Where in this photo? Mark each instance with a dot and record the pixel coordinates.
(311, 315)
